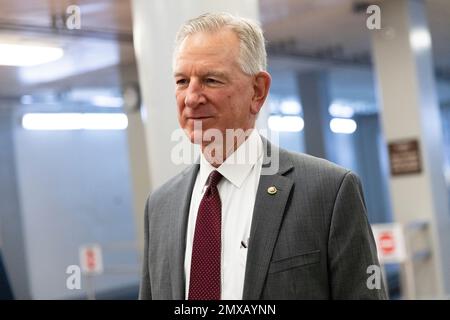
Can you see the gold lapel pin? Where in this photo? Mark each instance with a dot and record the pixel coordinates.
(272, 190)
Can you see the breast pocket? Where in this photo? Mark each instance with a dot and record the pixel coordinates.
(296, 261)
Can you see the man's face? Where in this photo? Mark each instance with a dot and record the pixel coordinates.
(211, 88)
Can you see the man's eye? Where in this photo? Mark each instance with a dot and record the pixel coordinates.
(181, 82)
(212, 80)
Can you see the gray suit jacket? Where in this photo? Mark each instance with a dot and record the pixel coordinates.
(310, 240)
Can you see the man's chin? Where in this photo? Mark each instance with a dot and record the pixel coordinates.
(196, 137)
(204, 136)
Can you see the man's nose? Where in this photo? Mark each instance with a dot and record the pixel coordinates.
(194, 95)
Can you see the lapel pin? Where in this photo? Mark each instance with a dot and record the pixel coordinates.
(272, 190)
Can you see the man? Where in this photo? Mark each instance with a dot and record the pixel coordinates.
(223, 229)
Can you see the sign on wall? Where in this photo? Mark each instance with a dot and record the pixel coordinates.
(404, 157)
(91, 260)
(390, 242)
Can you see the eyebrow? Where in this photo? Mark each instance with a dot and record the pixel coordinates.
(218, 74)
(215, 74)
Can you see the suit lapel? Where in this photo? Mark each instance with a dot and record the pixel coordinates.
(267, 217)
(179, 211)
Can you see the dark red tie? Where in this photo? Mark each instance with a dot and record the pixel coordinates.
(204, 283)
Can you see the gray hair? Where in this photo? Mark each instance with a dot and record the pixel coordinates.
(252, 56)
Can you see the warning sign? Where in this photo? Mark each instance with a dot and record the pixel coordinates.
(390, 242)
(91, 260)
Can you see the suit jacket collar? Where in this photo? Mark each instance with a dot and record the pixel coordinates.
(267, 217)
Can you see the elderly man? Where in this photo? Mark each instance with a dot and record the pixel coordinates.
(226, 230)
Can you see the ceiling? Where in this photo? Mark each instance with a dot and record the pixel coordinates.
(106, 15)
(103, 42)
(317, 27)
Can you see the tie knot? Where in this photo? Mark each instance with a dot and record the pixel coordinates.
(214, 178)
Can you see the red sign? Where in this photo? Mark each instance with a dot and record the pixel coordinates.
(390, 242)
(387, 243)
(91, 259)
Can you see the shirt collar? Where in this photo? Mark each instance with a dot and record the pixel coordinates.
(238, 165)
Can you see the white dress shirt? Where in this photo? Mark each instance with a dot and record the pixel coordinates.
(237, 190)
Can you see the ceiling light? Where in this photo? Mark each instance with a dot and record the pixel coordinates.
(75, 121)
(107, 101)
(286, 124)
(339, 109)
(339, 125)
(420, 39)
(290, 106)
(24, 55)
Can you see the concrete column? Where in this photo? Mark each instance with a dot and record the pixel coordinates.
(137, 152)
(409, 110)
(315, 100)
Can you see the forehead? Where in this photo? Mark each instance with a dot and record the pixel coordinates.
(208, 49)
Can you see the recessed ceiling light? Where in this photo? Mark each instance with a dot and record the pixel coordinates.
(340, 125)
(74, 121)
(286, 123)
(26, 55)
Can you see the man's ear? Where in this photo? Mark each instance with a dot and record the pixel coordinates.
(261, 86)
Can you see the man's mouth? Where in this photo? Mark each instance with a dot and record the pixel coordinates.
(199, 118)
